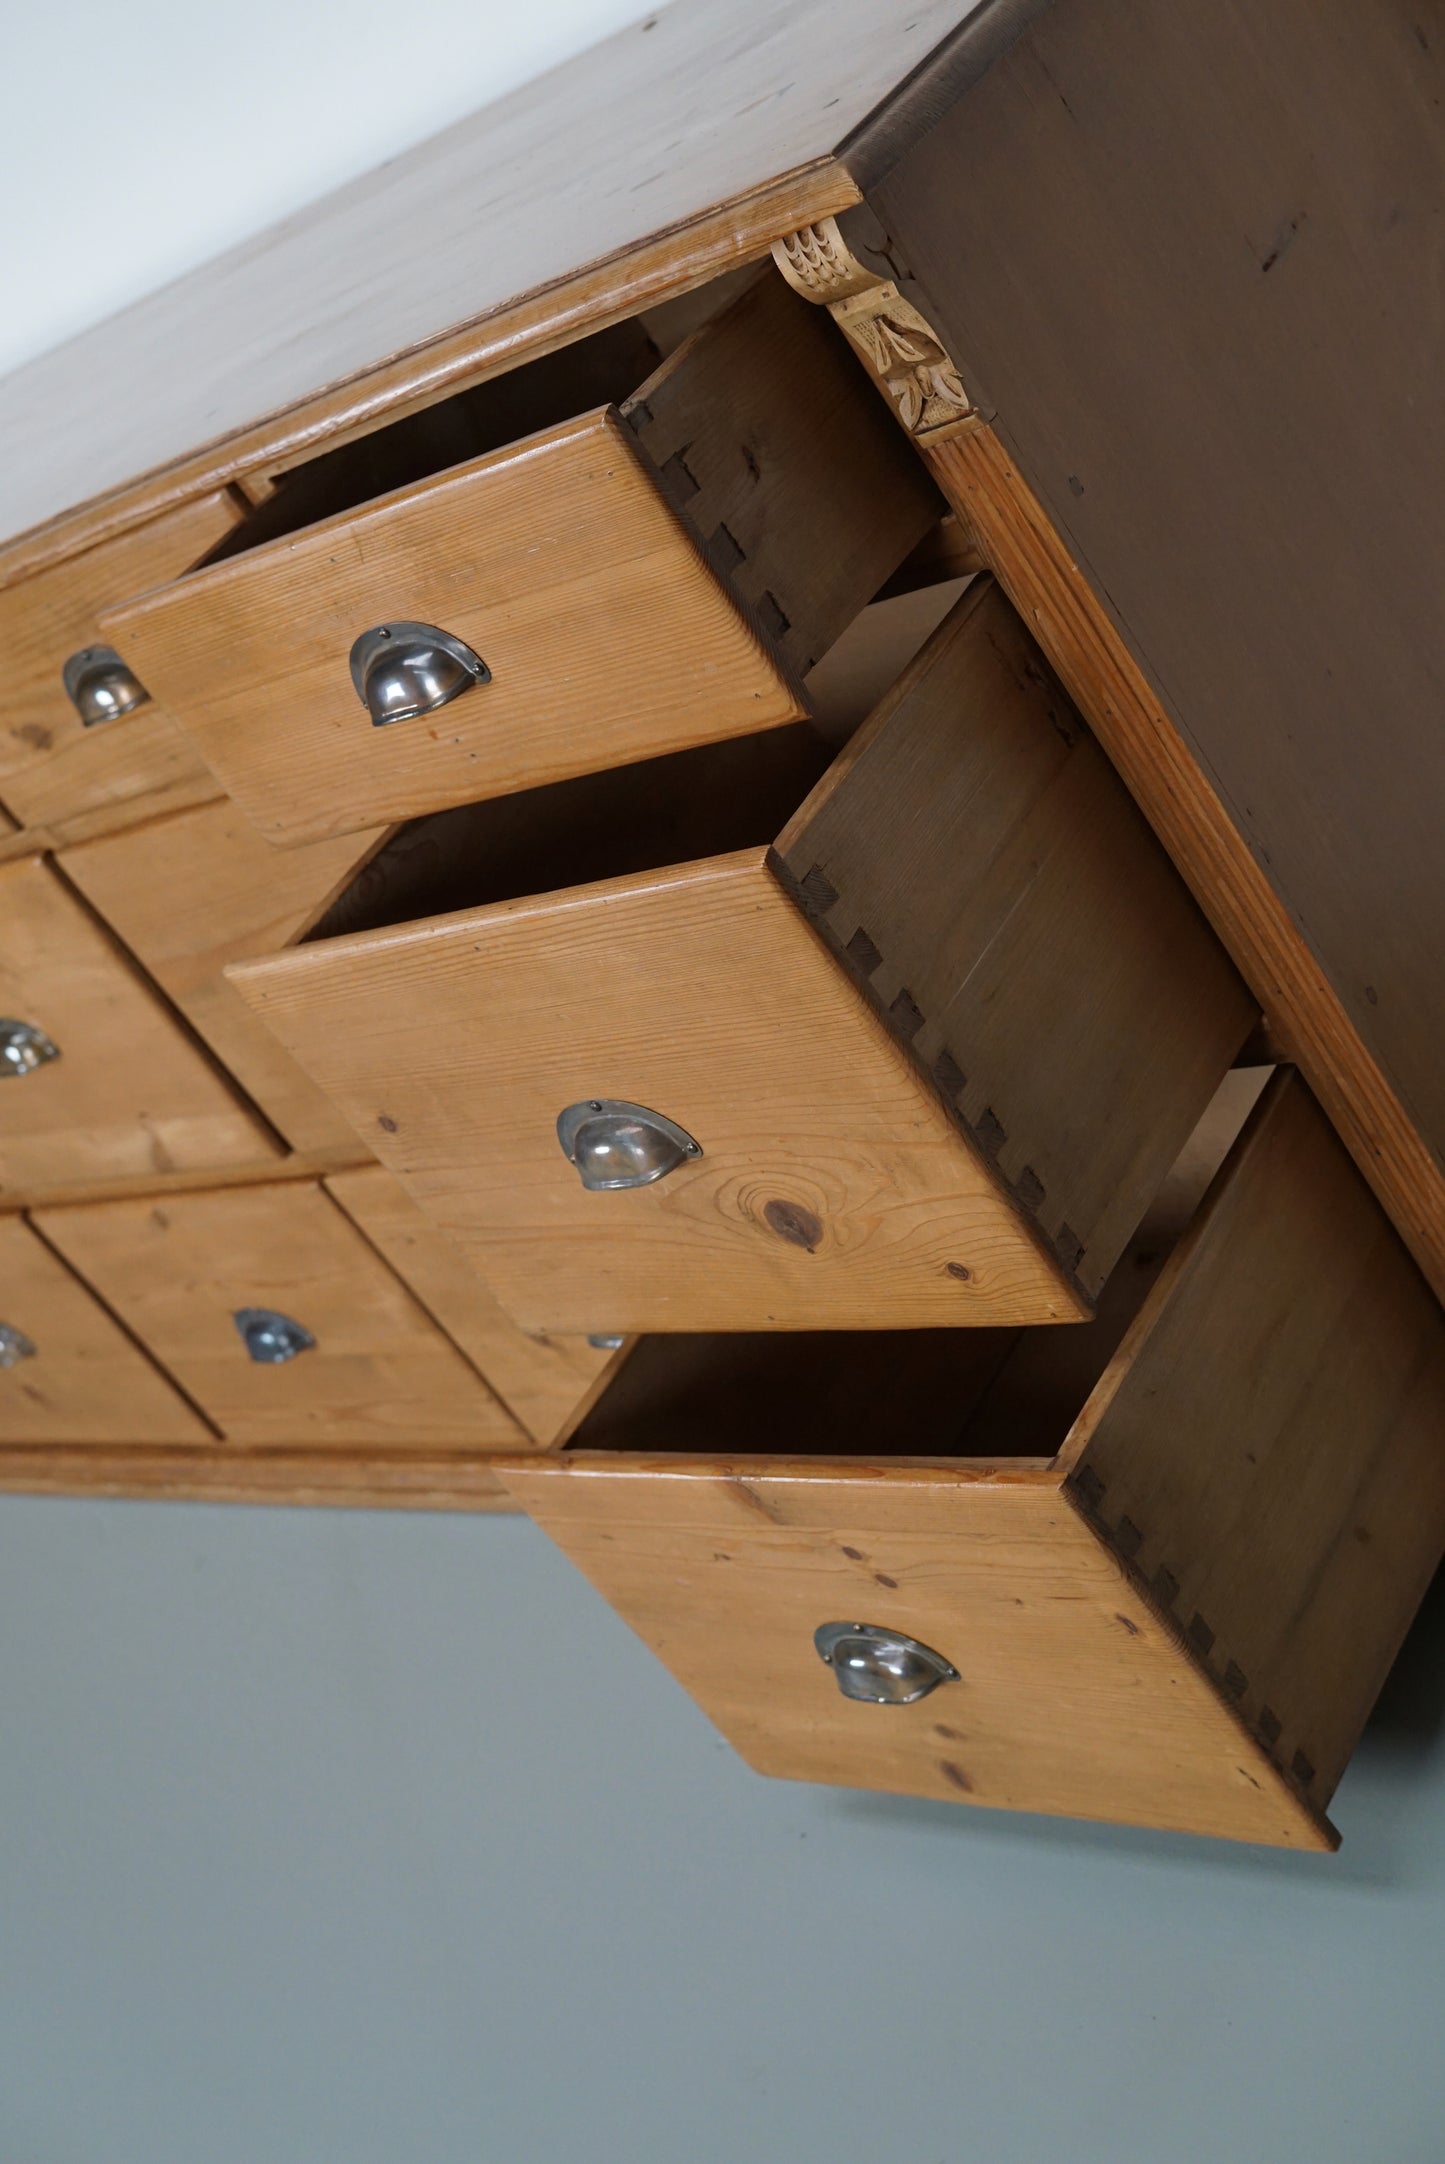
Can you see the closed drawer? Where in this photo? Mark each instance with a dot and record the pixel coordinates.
(57, 772)
(202, 888)
(934, 1052)
(97, 1081)
(633, 581)
(68, 1371)
(1168, 1569)
(279, 1320)
(547, 1383)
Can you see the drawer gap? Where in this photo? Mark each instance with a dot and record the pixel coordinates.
(981, 1395)
(707, 801)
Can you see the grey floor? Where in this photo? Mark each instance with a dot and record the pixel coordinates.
(363, 1839)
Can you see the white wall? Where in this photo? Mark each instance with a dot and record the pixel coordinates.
(341, 1839)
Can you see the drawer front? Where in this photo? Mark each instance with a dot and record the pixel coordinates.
(68, 1371)
(1182, 1618)
(1071, 1696)
(241, 897)
(937, 1049)
(634, 585)
(831, 1190)
(55, 773)
(378, 1372)
(126, 1093)
(546, 1383)
(607, 636)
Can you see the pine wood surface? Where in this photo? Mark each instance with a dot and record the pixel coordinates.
(87, 1381)
(130, 1094)
(699, 991)
(558, 560)
(1264, 1452)
(546, 1383)
(56, 774)
(1073, 1699)
(972, 859)
(201, 888)
(381, 1374)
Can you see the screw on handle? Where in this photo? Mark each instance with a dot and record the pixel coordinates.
(881, 1667)
(614, 1144)
(402, 670)
(271, 1338)
(100, 686)
(23, 1048)
(15, 1346)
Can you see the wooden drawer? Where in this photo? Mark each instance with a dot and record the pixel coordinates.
(547, 1383)
(68, 1371)
(1170, 1569)
(938, 1048)
(180, 1270)
(237, 896)
(634, 580)
(55, 773)
(129, 1094)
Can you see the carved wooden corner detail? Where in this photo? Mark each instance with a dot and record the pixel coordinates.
(902, 353)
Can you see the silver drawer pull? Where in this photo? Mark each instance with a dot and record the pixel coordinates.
(881, 1667)
(615, 1144)
(23, 1048)
(600, 1343)
(402, 670)
(100, 687)
(269, 1338)
(15, 1346)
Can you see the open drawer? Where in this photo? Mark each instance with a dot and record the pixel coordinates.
(280, 1321)
(926, 1061)
(98, 1081)
(69, 1373)
(81, 748)
(1165, 1559)
(622, 581)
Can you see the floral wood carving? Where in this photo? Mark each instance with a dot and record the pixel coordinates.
(904, 355)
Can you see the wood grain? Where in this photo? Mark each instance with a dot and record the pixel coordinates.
(295, 1165)
(1186, 811)
(202, 888)
(1247, 209)
(974, 862)
(54, 772)
(1074, 1698)
(414, 1480)
(546, 1383)
(771, 444)
(832, 1192)
(87, 1381)
(674, 149)
(381, 1374)
(130, 1093)
(1264, 1452)
(607, 636)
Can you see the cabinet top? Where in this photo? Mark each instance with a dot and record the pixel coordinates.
(644, 165)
